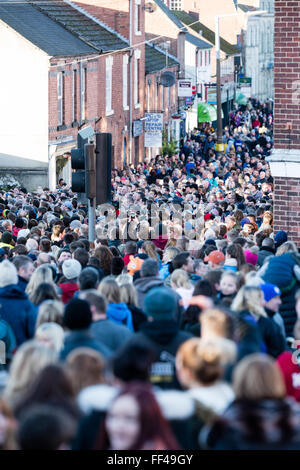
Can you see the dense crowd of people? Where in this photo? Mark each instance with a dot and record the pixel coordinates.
(177, 328)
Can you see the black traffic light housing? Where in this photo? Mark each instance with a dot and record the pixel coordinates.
(93, 166)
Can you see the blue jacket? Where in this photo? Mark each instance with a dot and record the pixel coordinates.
(120, 314)
(18, 311)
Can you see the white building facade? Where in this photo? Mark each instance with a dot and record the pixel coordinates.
(258, 54)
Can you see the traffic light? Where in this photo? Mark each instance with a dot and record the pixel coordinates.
(103, 167)
(193, 91)
(92, 165)
(83, 160)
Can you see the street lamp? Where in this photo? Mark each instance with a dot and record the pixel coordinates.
(220, 146)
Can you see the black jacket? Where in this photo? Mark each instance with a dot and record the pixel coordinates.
(264, 253)
(165, 338)
(257, 425)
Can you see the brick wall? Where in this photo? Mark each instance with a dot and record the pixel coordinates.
(287, 118)
(287, 73)
(286, 207)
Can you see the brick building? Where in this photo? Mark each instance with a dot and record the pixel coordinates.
(77, 72)
(285, 158)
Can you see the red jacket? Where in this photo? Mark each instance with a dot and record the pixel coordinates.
(291, 372)
(68, 291)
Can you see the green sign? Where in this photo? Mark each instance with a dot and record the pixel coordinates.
(247, 80)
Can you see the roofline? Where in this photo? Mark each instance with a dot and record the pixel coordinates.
(172, 17)
(209, 46)
(96, 20)
(162, 51)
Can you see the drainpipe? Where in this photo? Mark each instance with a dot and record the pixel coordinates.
(130, 79)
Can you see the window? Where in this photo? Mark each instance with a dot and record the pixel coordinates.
(74, 95)
(125, 81)
(60, 98)
(108, 86)
(137, 57)
(176, 4)
(83, 93)
(137, 17)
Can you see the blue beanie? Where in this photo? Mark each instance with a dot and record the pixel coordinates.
(280, 238)
(245, 221)
(160, 303)
(270, 291)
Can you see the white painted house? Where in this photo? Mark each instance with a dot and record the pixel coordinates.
(259, 50)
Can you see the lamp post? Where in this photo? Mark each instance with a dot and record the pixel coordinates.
(220, 145)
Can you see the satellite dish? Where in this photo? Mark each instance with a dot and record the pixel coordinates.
(150, 7)
(167, 79)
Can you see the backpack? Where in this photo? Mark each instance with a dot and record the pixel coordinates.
(8, 344)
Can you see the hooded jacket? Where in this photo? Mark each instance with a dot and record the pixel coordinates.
(120, 314)
(68, 290)
(18, 311)
(145, 284)
(280, 270)
(82, 339)
(165, 338)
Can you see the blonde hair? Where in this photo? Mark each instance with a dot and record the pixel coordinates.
(41, 274)
(124, 279)
(150, 249)
(205, 358)
(110, 291)
(286, 247)
(180, 278)
(214, 321)
(128, 294)
(249, 298)
(29, 360)
(50, 311)
(51, 334)
(257, 377)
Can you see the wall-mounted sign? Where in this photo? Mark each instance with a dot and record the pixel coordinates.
(184, 88)
(153, 129)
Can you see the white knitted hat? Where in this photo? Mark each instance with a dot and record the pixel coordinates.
(71, 268)
(8, 274)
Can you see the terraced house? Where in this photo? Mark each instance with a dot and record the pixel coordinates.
(67, 69)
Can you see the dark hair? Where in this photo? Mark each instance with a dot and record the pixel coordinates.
(105, 256)
(203, 287)
(236, 251)
(81, 255)
(44, 427)
(133, 361)
(51, 386)
(68, 238)
(180, 260)
(117, 265)
(76, 244)
(45, 245)
(21, 261)
(89, 278)
(152, 423)
(44, 291)
(214, 277)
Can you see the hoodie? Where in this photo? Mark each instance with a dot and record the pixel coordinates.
(120, 314)
(164, 337)
(68, 290)
(18, 311)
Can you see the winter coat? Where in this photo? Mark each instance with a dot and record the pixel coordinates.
(110, 333)
(216, 397)
(257, 425)
(68, 290)
(165, 338)
(272, 341)
(82, 339)
(145, 284)
(138, 316)
(280, 270)
(176, 406)
(264, 253)
(22, 283)
(120, 314)
(18, 311)
(290, 368)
